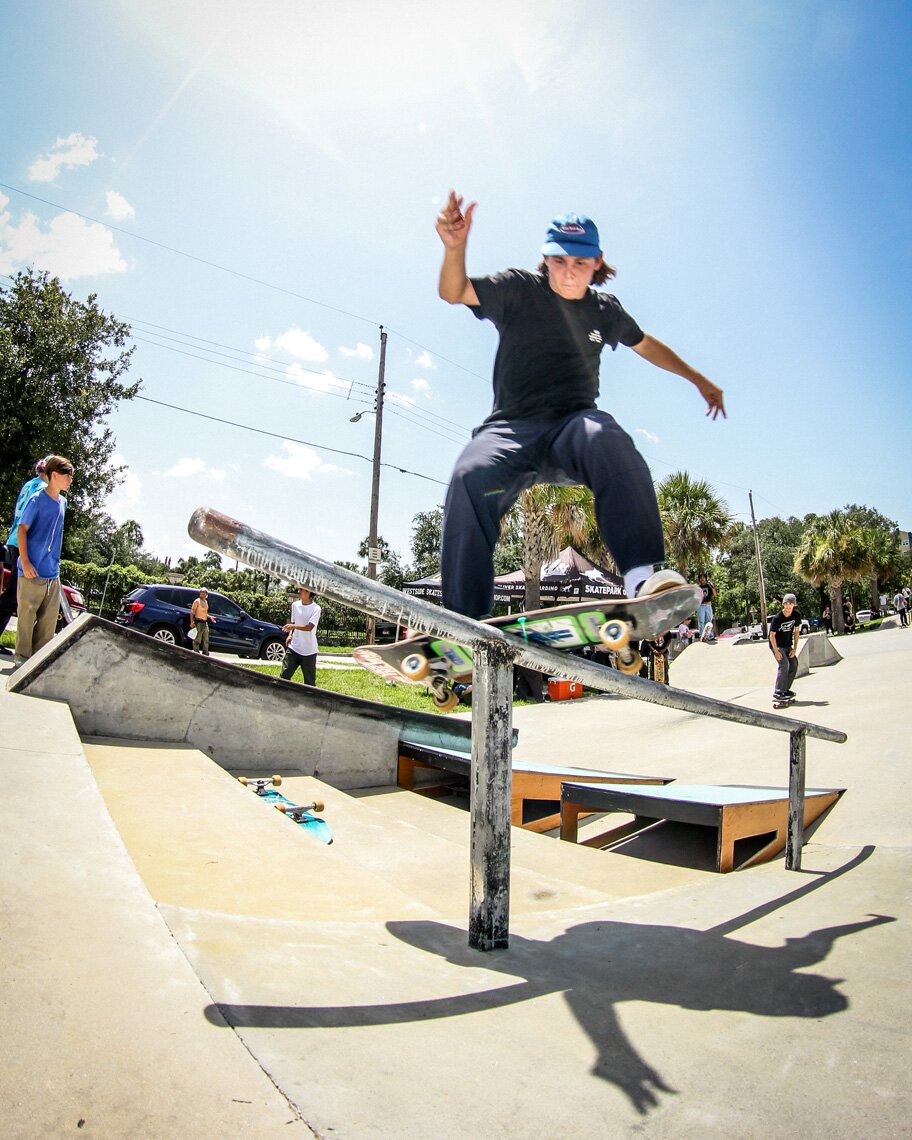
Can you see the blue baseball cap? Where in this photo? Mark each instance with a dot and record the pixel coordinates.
(572, 235)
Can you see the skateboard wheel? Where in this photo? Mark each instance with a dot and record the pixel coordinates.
(318, 805)
(633, 664)
(445, 702)
(242, 780)
(614, 634)
(415, 666)
(283, 808)
(277, 780)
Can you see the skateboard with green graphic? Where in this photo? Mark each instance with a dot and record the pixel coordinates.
(439, 663)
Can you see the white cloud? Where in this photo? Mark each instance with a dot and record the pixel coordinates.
(68, 247)
(360, 351)
(299, 462)
(118, 207)
(421, 386)
(317, 381)
(263, 343)
(299, 343)
(127, 495)
(649, 436)
(425, 360)
(195, 468)
(400, 398)
(74, 150)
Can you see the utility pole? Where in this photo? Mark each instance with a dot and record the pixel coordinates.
(373, 553)
(750, 495)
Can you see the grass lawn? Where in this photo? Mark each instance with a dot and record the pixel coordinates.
(358, 682)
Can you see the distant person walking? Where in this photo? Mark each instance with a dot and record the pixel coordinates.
(39, 539)
(200, 617)
(9, 596)
(785, 630)
(848, 616)
(899, 604)
(301, 648)
(827, 619)
(705, 609)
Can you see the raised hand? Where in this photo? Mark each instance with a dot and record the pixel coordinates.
(713, 397)
(452, 223)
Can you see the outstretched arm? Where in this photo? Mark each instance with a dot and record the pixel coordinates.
(453, 227)
(663, 357)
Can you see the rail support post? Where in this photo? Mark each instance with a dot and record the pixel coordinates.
(492, 775)
(795, 840)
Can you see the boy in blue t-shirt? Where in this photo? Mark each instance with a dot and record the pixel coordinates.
(40, 535)
(10, 589)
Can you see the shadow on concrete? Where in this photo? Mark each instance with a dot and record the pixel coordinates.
(598, 965)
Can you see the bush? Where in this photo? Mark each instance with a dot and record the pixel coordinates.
(91, 578)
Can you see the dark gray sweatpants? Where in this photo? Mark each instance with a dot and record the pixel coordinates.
(507, 456)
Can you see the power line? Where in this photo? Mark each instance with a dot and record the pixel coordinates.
(235, 367)
(266, 362)
(289, 438)
(235, 273)
(455, 432)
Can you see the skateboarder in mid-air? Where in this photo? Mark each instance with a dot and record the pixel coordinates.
(545, 426)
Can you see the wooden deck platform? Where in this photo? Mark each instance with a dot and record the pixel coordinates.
(536, 789)
(754, 819)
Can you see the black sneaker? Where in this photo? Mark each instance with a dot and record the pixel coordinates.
(790, 694)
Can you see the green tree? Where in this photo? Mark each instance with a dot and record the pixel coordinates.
(833, 550)
(695, 521)
(882, 542)
(425, 543)
(62, 368)
(549, 517)
(508, 553)
(739, 591)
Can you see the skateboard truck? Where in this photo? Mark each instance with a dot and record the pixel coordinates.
(260, 784)
(298, 811)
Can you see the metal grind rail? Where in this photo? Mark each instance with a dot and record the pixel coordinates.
(494, 654)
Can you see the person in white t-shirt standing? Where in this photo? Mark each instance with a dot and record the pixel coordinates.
(301, 646)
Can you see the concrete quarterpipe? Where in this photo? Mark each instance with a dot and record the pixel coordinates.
(494, 653)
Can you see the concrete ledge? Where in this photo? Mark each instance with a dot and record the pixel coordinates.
(119, 683)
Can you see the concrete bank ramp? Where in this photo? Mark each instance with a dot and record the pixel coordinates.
(119, 683)
(101, 1013)
(726, 664)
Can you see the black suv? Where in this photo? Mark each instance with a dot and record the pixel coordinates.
(164, 613)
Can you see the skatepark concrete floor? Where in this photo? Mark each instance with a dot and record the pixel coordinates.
(181, 961)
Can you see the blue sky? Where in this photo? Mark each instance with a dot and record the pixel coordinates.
(253, 188)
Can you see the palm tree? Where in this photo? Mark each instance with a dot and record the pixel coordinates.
(886, 559)
(549, 517)
(832, 550)
(695, 521)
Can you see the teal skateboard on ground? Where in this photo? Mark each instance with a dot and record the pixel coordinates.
(439, 663)
(302, 814)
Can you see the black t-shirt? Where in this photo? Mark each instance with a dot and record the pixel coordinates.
(547, 361)
(784, 628)
(709, 592)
